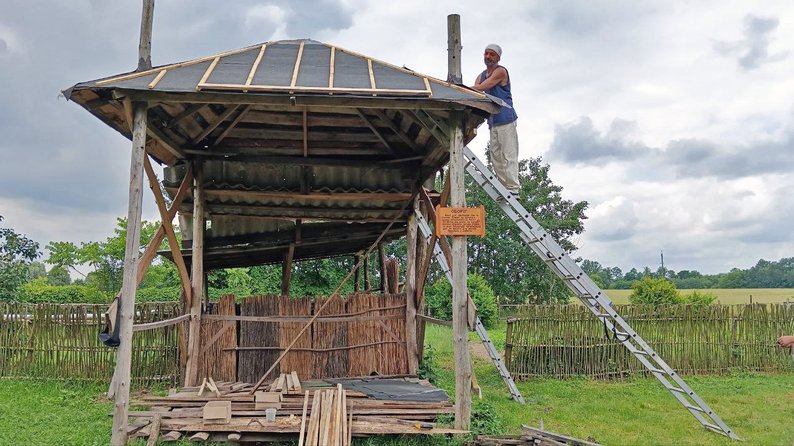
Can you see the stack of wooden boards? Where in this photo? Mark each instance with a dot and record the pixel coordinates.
(320, 413)
(531, 436)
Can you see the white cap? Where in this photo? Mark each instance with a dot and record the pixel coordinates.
(495, 48)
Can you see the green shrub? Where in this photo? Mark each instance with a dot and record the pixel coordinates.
(649, 290)
(699, 298)
(39, 291)
(157, 294)
(439, 299)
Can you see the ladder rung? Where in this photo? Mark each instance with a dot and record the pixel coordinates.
(714, 428)
(643, 352)
(699, 409)
(552, 259)
(571, 277)
(652, 370)
(678, 389)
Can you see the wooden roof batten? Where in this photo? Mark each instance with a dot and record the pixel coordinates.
(290, 130)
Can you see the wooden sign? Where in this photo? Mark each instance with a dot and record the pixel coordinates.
(460, 221)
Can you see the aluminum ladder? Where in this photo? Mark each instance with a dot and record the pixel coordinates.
(544, 245)
(438, 255)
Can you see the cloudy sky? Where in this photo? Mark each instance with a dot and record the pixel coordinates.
(673, 119)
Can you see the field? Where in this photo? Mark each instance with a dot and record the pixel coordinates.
(633, 412)
(725, 296)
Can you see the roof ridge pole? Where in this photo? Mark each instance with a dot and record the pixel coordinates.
(460, 329)
(121, 375)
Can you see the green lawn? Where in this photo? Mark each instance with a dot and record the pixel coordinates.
(760, 408)
(725, 296)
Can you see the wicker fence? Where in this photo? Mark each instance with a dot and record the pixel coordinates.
(61, 341)
(565, 341)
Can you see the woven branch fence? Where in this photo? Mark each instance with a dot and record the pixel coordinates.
(567, 341)
(358, 335)
(61, 341)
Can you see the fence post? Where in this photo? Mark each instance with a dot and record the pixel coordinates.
(509, 343)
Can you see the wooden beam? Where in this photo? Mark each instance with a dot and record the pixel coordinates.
(397, 131)
(410, 295)
(186, 113)
(231, 126)
(376, 132)
(409, 164)
(212, 126)
(460, 332)
(286, 269)
(254, 67)
(165, 223)
(285, 101)
(327, 196)
(121, 374)
(197, 277)
(297, 67)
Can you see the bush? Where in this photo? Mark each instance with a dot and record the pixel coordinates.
(165, 294)
(649, 290)
(699, 298)
(39, 291)
(439, 299)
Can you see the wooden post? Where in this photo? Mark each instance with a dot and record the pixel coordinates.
(356, 264)
(454, 47)
(286, 270)
(382, 265)
(129, 284)
(197, 278)
(145, 42)
(460, 332)
(410, 295)
(122, 372)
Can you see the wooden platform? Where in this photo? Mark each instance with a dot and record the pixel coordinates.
(179, 415)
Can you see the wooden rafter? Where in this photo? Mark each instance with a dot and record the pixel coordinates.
(231, 125)
(296, 69)
(213, 125)
(376, 132)
(255, 66)
(397, 130)
(188, 112)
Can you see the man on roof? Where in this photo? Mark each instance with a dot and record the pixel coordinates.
(495, 81)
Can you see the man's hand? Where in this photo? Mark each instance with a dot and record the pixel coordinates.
(785, 342)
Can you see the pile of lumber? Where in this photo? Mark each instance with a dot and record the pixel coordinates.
(530, 436)
(320, 413)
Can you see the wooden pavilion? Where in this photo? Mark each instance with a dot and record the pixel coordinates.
(280, 152)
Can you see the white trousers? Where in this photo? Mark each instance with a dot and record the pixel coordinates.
(504, 154)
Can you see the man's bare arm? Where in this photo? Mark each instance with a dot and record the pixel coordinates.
(497, 78)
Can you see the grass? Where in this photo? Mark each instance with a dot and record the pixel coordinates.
(725, 296)
(759, 407)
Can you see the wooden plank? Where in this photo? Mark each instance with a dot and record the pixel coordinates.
(371, 76)
(154, 431)
(208, 72)
(303, 418)
(331, 73)
(160, 324)
(296, 381)
(157, 79)
(297, 64)
(121, 374)
(305, 133)
(256, 64)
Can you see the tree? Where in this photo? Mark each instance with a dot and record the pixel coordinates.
(656, 291)
(501, 257)
(16, 254)
(58, 276)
